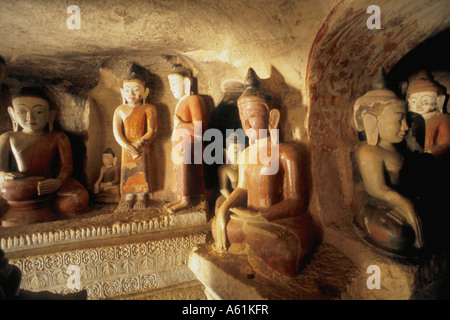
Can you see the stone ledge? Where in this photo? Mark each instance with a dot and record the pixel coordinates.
(337, 270)
(115, 267)
(230, 277)
(401, 279)
(100, 224)
(192, 290)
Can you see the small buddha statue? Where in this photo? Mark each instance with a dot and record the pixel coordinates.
(191, 110)
(229, 171)
(107, 187)
(135, 127)
(386, 214)
(36, 163)
(266, 215)
(426, 98)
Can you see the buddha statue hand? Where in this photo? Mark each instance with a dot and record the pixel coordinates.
(248, 215)
(106, 184)
(7, 176)
(139, 143)
(415, 222)
(132, 151)
(48, 186)
(103, 185)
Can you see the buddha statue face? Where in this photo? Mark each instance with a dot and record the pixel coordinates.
(423, 102)
(381, 115)
(255, 120)
(179, 85)
(31, 113)
(392, 124)
(107, 159)
(424, 95)
(134, 92)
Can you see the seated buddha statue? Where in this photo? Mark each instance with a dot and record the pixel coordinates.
(229, 171)
(107, 187)
(387, 216)
(266, 215)
(36, 163)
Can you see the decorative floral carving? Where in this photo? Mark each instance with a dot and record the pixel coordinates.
(106, 254)
(148, 281)
(72, 258)
(53, 261)
(123, 252)
(112, 288)
(138, 249)
(111, 271)
(34, 264)
(182, 242)
(130, 285)
(89, 256)
(94, 291)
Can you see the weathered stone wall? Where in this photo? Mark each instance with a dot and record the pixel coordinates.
(218, 41)
(316, 56)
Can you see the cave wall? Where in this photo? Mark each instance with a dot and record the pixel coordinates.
(316, 56)
(345, 59)
(219, 41)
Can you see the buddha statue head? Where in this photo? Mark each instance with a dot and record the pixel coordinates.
(381, 116)
(109, 157)
(424, 95)
(32, 109)
(180, 81)
(134, 90)
(256, 109)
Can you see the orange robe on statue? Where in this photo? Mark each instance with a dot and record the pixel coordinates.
(135, 173)
(51, 157)
(189, 177)
(437, 136)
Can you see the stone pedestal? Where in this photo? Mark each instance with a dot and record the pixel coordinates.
(24, 205)
(134, 255)
(331, 273)
(400, 278)
(104, 197)
(230, 277)
(27, 212)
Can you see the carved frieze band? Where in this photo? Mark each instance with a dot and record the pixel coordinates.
(36, 239)
(107, 272)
